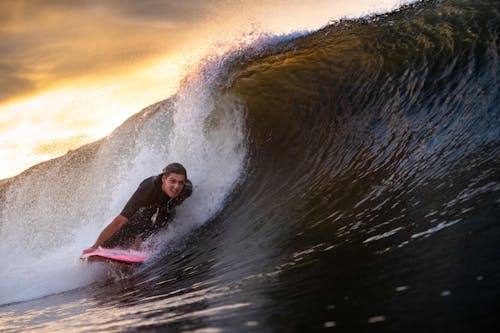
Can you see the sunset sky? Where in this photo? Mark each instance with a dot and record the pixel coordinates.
(73, 70)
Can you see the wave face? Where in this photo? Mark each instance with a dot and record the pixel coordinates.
(350, 178)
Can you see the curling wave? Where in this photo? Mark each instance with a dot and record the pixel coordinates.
(346, 170)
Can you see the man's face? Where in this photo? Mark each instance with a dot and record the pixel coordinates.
(173, 184)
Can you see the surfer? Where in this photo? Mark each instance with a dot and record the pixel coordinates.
(149, 209)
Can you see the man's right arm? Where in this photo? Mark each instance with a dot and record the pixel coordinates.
(138, 199)
(109, 231)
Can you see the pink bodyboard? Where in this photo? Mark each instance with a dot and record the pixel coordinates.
(119, 255)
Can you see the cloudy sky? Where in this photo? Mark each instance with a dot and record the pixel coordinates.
(73, 70)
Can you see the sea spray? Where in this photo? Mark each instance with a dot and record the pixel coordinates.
(58, 208)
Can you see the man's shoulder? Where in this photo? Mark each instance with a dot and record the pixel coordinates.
(150, 181)
(149, 186)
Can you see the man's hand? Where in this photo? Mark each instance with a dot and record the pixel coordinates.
(90, 249)
(109, 231)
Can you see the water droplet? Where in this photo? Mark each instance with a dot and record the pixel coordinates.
(446, 293)
(402, 288)
(376, 319)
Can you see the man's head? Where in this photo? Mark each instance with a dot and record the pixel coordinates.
(173, 179)
(175, 168)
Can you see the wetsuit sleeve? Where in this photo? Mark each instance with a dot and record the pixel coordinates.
(139, 199)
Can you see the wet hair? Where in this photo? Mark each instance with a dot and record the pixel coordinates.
(175, 168)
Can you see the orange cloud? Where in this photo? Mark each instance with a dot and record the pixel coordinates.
(49, 43)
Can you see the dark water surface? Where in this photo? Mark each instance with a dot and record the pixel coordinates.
(369, 199)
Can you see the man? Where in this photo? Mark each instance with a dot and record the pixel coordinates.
(149, 209)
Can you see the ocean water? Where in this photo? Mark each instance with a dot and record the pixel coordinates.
(344, 179)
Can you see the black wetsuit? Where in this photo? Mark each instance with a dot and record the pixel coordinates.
(148, 210)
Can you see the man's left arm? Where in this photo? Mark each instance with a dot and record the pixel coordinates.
(185, 193)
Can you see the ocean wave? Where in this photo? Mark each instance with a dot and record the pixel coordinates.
(332, 167)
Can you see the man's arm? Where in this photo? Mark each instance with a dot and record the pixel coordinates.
(109, 231)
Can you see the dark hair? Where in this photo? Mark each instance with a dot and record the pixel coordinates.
(175, 168)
